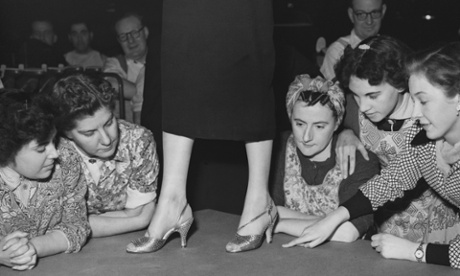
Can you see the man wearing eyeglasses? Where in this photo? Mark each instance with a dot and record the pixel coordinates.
(366, 16)
(132, 36)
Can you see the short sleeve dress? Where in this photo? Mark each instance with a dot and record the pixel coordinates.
(217, 63)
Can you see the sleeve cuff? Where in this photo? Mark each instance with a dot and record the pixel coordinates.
(70, 248)
(437, 254)
(136, 198)
(358, 205)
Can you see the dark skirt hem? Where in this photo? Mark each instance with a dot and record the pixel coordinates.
(266, 134)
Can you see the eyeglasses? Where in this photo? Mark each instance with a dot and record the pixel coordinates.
(362, 15)
(135, 34)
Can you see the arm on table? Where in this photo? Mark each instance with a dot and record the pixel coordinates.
(376, 192)
(392, 247)
(365, 170)
(294, 223)
(73, 227)
(113, 223)
(321, 230)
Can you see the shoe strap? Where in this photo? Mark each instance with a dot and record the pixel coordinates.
(268, 210)
(182, 213)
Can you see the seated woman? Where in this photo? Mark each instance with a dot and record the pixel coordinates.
(307, 181)
(375, 74)
(432, 152)
(42, 206)
(119, 158)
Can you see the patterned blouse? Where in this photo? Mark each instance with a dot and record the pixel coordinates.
(129, 179)
(421, 215)
(417, 161)
(57, 204)
(315, 200)
(317, 188)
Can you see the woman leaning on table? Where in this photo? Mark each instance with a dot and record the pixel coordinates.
(119, 159)
(432, 152)
(307, 180)
(42, 206)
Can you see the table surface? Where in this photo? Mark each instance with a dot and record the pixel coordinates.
(205, 255)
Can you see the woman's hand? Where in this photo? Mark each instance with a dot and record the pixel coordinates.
(28, 260)
(317, 233)
(392, 247)
(14, 245)
(13, 241)
(347, 144)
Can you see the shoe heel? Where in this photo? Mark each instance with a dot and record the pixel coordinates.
(183, 231)
(271, 226)
(147, 245)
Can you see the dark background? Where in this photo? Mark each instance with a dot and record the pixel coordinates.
(218, 172)
(299, 22)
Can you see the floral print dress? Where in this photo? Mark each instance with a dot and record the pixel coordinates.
(129, 179)
(57, 204)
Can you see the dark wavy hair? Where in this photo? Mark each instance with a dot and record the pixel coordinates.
(78, 95)
(440, 65)
(376, 59)
(23, 118)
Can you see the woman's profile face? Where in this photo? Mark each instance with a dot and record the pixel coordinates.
(35, 161)
(313, 128)
(376, 101)
(436, 112)
(96, 135)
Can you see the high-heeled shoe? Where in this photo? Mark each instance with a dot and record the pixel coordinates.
(147, 244)
(250, 242)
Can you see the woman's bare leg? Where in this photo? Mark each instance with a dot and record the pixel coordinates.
(257, 195)
(177, 151)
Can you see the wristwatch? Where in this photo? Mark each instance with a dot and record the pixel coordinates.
(419, 253)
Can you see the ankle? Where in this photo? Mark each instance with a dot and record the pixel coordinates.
(172, 200)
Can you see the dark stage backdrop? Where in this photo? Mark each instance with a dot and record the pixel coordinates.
(308, 19)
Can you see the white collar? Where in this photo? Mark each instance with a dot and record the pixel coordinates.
(405, 109)
(86, 158)
(11, 177)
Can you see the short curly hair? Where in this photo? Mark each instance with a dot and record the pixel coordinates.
(377, 59)
(23, 118)
(78, 95)
(440, 65)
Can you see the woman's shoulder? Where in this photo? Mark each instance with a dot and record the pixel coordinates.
(67, 150)
(128, 128)
(133, 135)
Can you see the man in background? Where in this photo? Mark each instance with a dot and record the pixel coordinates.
(132, 35)
(40, 48)
(83, 55)
(366, 16)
